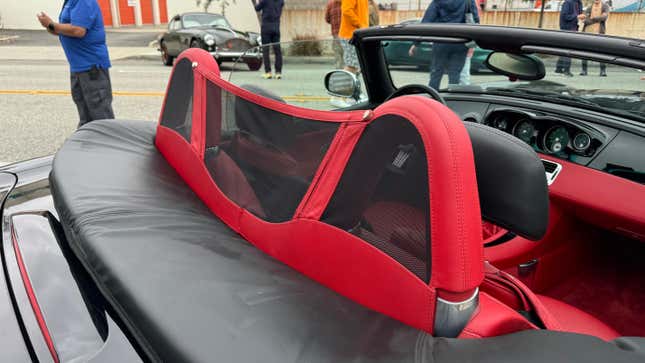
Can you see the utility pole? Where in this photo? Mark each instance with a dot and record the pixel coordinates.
(542, 14)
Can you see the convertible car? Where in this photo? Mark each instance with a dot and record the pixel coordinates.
(501, 221)
(213, 33)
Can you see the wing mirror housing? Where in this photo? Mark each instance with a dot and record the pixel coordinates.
(516, 66)
(342, 83)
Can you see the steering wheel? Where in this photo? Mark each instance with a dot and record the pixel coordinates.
(412, 89)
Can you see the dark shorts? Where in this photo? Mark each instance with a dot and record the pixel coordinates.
(92, 93)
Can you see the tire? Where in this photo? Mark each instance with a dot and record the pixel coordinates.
(195, 43)
(254, 65)
(166, 58)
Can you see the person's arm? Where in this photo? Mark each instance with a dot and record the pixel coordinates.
(68, 30)
(431, 14)
(475, 9)
(259, 5)
(328, 11)
(587, 13)
(347, 8)
(567, 12)
(603, 16)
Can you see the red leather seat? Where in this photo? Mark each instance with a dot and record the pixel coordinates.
(498, 311)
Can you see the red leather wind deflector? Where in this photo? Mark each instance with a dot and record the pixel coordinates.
(332, 256)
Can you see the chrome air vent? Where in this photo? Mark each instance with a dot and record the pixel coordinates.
(552, 170)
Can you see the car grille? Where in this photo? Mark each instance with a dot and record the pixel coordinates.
(236, 45)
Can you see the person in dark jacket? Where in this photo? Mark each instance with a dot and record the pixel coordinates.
(448, 57)
(270, 33)
(570, 14)
(81, 33)
(595, 22)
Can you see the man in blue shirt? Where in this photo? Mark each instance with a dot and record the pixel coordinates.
(448, 57)
(82, 35)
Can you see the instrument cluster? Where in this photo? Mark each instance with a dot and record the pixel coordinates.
(547, 135)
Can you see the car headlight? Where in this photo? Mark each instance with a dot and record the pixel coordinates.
(255, 38)
(209, 39)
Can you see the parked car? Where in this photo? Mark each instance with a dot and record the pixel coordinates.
(397, 54)
(496, 222)
(213, 33)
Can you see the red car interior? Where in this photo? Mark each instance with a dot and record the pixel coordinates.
(385, 206)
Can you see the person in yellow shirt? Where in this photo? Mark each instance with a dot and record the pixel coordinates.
(354, 15)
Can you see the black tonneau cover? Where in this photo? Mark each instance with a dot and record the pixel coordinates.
(190, 290)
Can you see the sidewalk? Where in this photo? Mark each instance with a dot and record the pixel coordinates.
(8, 39)
(55, 53)
(134, 29)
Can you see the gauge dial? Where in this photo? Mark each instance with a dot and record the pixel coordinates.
(556, 139)
(500, 123)
(581, 141)
(524, 130)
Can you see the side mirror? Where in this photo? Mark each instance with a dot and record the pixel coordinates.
(343, 84)
(516, 66)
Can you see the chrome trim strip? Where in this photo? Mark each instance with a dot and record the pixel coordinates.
(550, 177)
(460, 302)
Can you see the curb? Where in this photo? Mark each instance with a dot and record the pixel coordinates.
(8, 39)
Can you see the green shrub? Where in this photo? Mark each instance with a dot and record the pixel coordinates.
(305, 45)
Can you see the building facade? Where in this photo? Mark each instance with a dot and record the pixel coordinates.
(123, 13)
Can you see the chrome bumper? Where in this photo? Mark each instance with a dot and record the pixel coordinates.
(235, 55)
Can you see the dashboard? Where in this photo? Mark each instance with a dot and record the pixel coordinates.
(597, 158)
(547, 134)
(591, 139)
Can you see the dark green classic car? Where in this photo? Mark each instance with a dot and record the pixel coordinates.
(397, 54)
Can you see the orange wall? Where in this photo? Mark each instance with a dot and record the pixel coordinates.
(105, 11)
(146, 11)
(126, 13)
(163, 11)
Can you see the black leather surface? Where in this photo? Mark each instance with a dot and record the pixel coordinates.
(190, 290)
(513, 191)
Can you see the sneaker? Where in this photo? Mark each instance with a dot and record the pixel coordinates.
(583, 73)
(267, 75)
(567, 74)
(558, 70)
(603, 73)
(278, 76)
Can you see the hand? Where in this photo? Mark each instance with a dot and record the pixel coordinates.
(44, 19)
(582, 17)
(412, 50)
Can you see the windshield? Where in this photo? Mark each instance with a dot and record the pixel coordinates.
(198, 20)
(603, 87)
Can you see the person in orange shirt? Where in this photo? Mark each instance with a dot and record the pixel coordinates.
(354, 15)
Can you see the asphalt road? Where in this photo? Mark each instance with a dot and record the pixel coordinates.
(35, 121)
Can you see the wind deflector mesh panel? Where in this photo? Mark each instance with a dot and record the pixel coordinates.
(178, 109)
(382, 196)
(262, 159)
